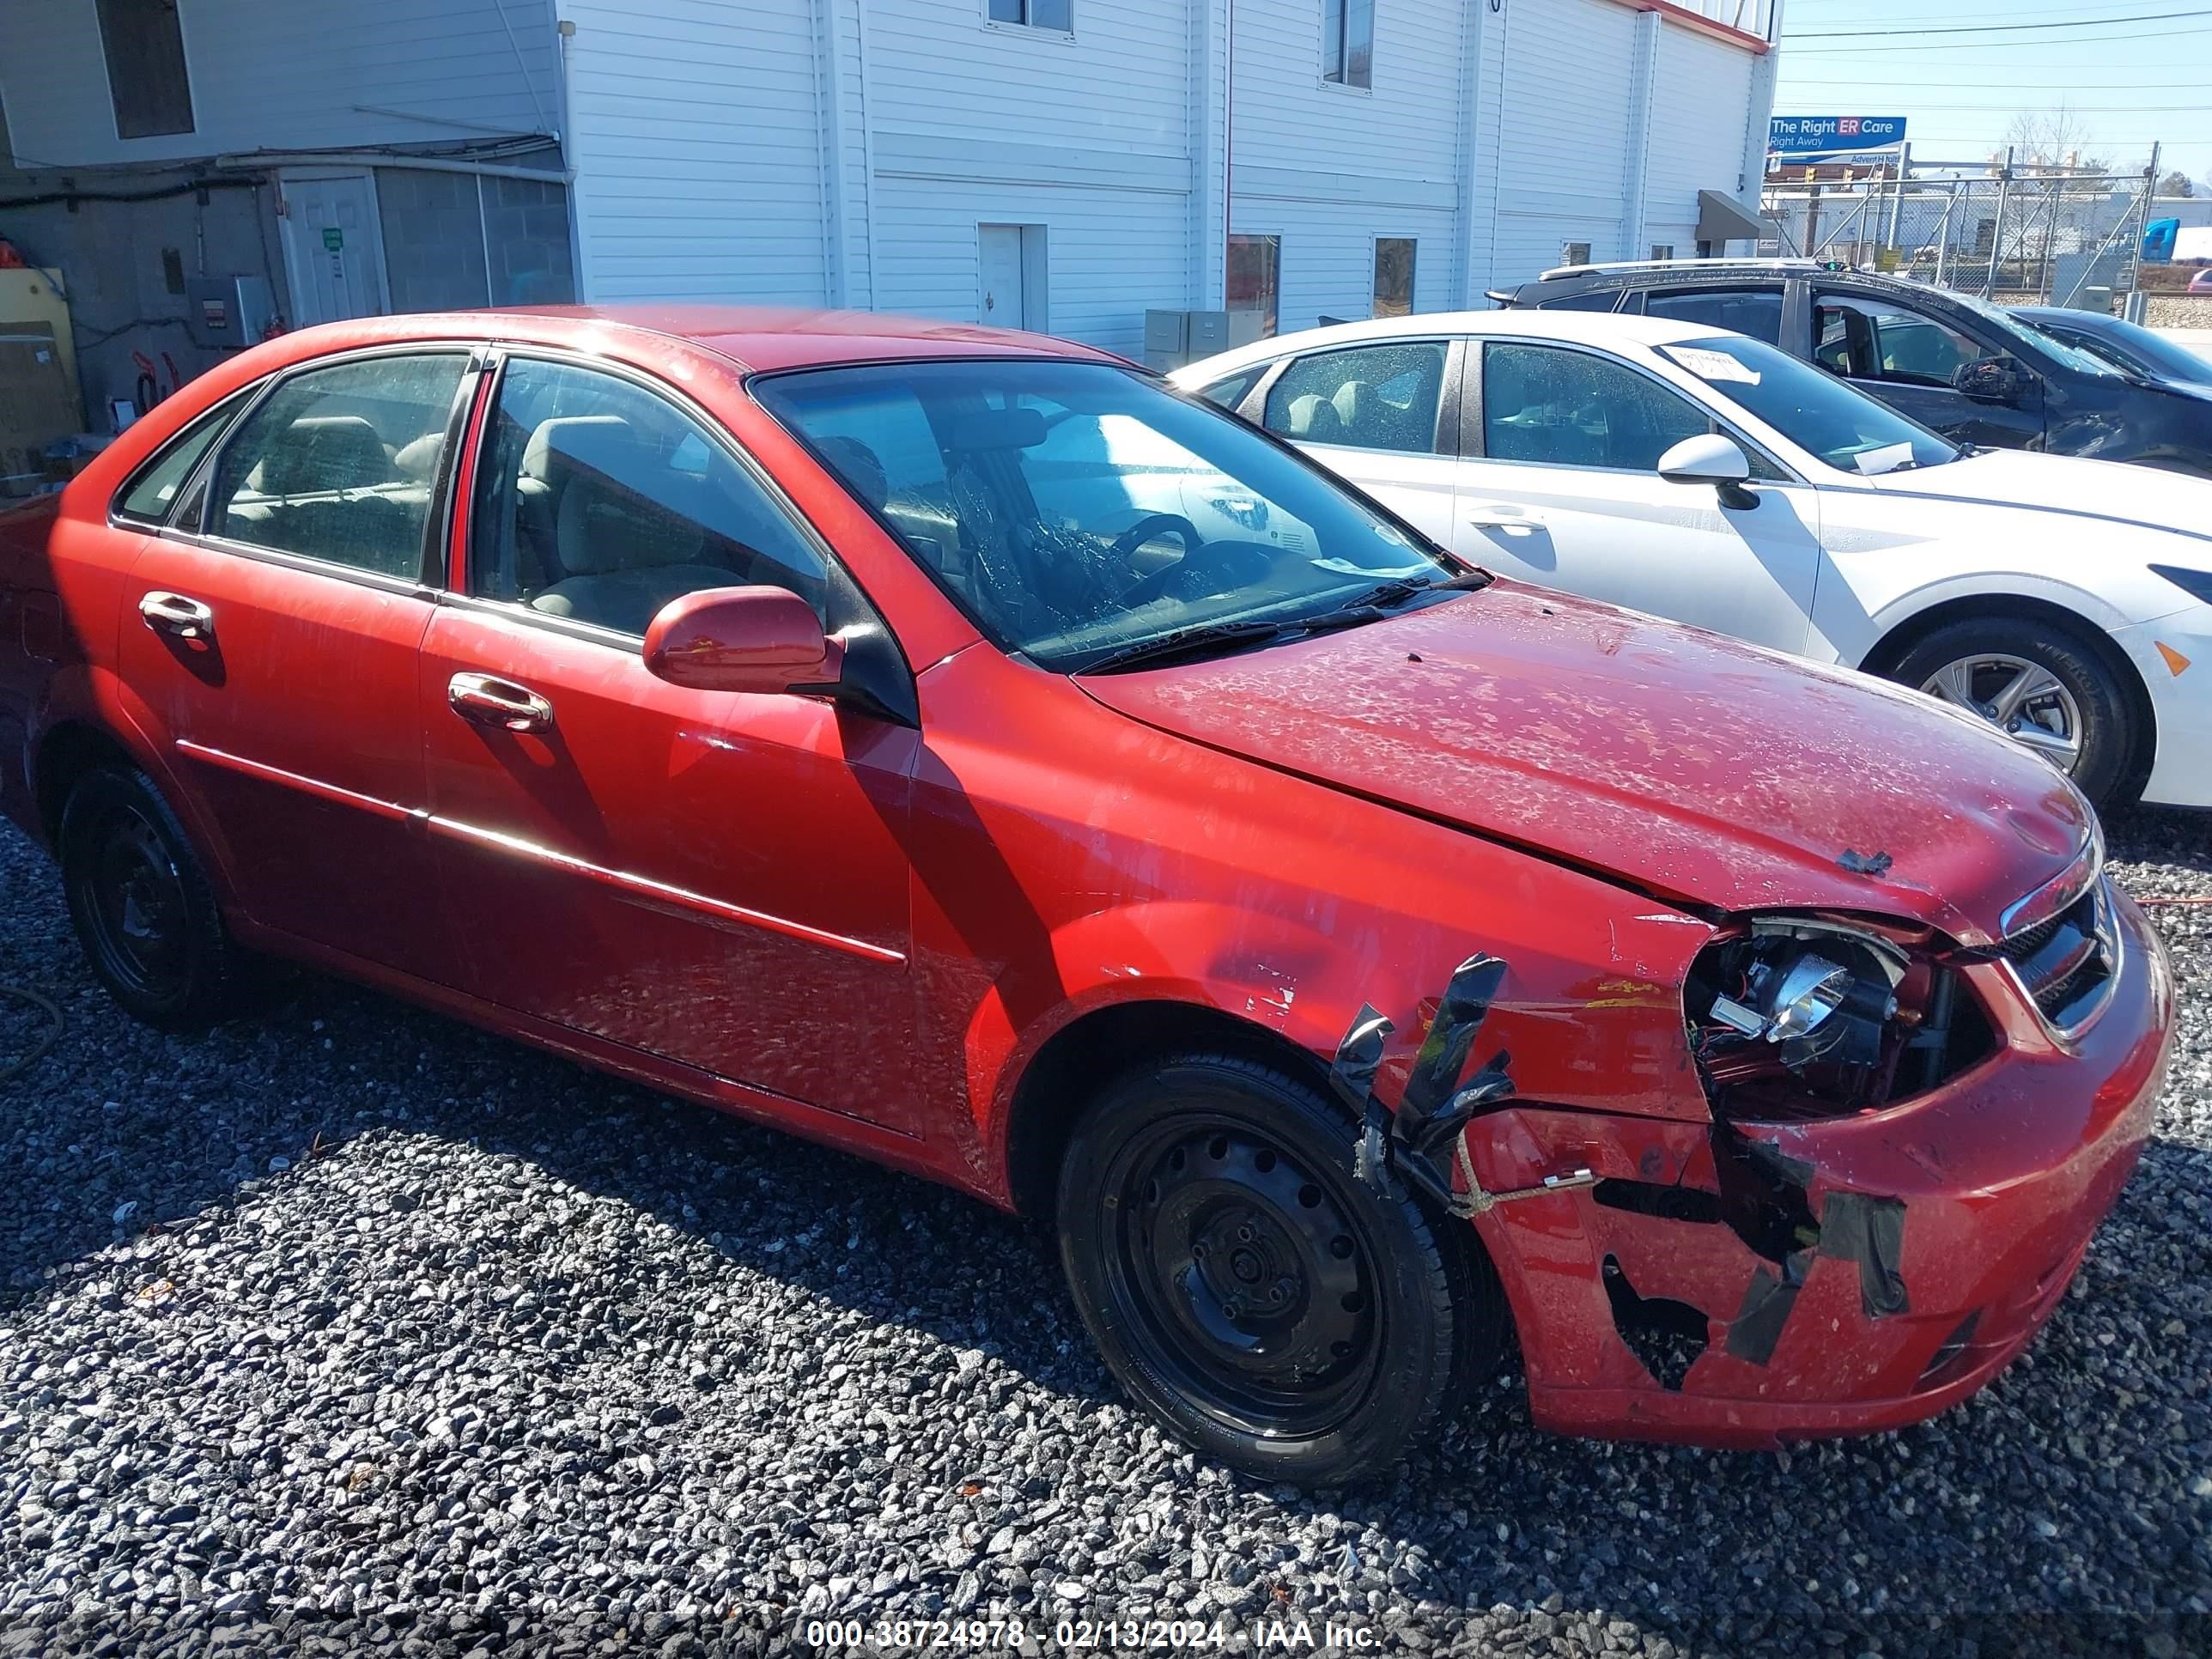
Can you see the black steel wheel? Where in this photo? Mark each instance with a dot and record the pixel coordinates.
(143, 909)
(1267, 1306)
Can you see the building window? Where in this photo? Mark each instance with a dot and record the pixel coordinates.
(1662, 253)
(1574, 253)
(1347, 42)
(146, 79)
(1037, 13)
(1394, 276)
(1256, 265)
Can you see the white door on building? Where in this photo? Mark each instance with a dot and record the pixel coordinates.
(1010, 269)
(333, 247)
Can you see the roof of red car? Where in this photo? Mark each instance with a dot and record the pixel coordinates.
(775, 336)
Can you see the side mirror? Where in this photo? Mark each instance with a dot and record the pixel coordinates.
(742, 639)
(1991, 380)
(1709, 459)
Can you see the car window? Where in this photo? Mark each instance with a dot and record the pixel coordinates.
(1602, 299)
(1230, 390)
(339, 464)
(1818, 412)
(599, 500)
(1753, 311)
(1370, 396)
(1076, 510)
(1564, 408)
(1875, 340)
(152, 491)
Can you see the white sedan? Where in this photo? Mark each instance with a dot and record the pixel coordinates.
(1710, 477)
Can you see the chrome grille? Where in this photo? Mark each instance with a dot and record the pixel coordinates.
(2068, 963)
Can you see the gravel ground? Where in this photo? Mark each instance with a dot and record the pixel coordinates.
(350, 1328)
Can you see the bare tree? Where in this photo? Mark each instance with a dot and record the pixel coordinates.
(2053, 138)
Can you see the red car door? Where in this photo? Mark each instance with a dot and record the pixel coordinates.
(271, 630)
(711, 878)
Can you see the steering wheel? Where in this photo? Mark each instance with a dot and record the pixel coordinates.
(1152, 585)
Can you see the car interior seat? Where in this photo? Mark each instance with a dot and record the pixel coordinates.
(327, 488)
(620, 550)
(1314, 419)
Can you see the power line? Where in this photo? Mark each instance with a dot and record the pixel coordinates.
(2070, 109)
(1796, 53)
(1998, 28)
(1856, 8)
(2126, 82)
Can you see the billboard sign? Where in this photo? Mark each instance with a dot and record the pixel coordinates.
(1831, 135)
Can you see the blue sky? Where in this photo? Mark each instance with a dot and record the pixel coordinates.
(2126, 84)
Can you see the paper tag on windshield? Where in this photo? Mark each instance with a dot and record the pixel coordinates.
(1871, 461)
(1713, 365)
(1347, 567)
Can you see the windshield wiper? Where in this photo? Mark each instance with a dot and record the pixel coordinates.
(1210, 638)
(1397, 590)
(1189, 642)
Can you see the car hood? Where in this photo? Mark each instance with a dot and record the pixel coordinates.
(1687, 765)
(2147, 495)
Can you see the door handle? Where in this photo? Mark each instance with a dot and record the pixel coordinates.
(485, 699)
(178, 617)
(1510, 521)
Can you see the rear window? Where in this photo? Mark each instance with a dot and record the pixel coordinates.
(1604, 300)
(1753, 311)
(152, 491)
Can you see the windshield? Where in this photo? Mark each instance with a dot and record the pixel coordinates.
(1809, 406)
(1077, 509)
(2048, 344)
(2142, 350)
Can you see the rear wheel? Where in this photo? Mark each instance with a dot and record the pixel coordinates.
(143, 907)
(1269, 1308)
(2042, 684)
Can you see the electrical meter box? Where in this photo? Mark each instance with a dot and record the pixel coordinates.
(227, 314)
(1172, 339)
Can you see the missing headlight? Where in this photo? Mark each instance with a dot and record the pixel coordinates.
(1805, 1017)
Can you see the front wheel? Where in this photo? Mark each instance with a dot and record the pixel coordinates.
(1269, 1308)
(2042, 684)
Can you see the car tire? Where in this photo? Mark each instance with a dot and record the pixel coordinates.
(1271, 1309)
(143, 909)
(2088, 695)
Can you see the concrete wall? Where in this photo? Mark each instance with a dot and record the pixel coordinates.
(111, 258)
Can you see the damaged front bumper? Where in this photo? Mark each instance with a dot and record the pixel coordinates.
(1747, 1283)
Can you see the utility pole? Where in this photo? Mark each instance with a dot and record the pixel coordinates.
(1997, 230)
(1897, 201)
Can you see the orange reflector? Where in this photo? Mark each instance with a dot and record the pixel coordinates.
(2174, 659)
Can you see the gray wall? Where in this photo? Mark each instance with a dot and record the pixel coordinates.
(110, 257)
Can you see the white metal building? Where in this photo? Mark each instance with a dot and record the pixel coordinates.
(1060, 164)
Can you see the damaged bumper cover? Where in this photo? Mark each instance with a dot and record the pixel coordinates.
(1744, 1284)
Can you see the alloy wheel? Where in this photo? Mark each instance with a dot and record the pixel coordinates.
(2023, 699)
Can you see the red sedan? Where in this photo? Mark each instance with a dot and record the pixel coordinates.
(959, 747)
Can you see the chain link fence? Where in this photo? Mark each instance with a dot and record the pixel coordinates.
(2051, 239)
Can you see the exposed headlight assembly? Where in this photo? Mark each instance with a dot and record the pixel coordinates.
(1796, 1016)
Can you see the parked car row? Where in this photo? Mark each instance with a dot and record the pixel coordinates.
(1715, 478)
(1972, 371)
(1365, 954)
